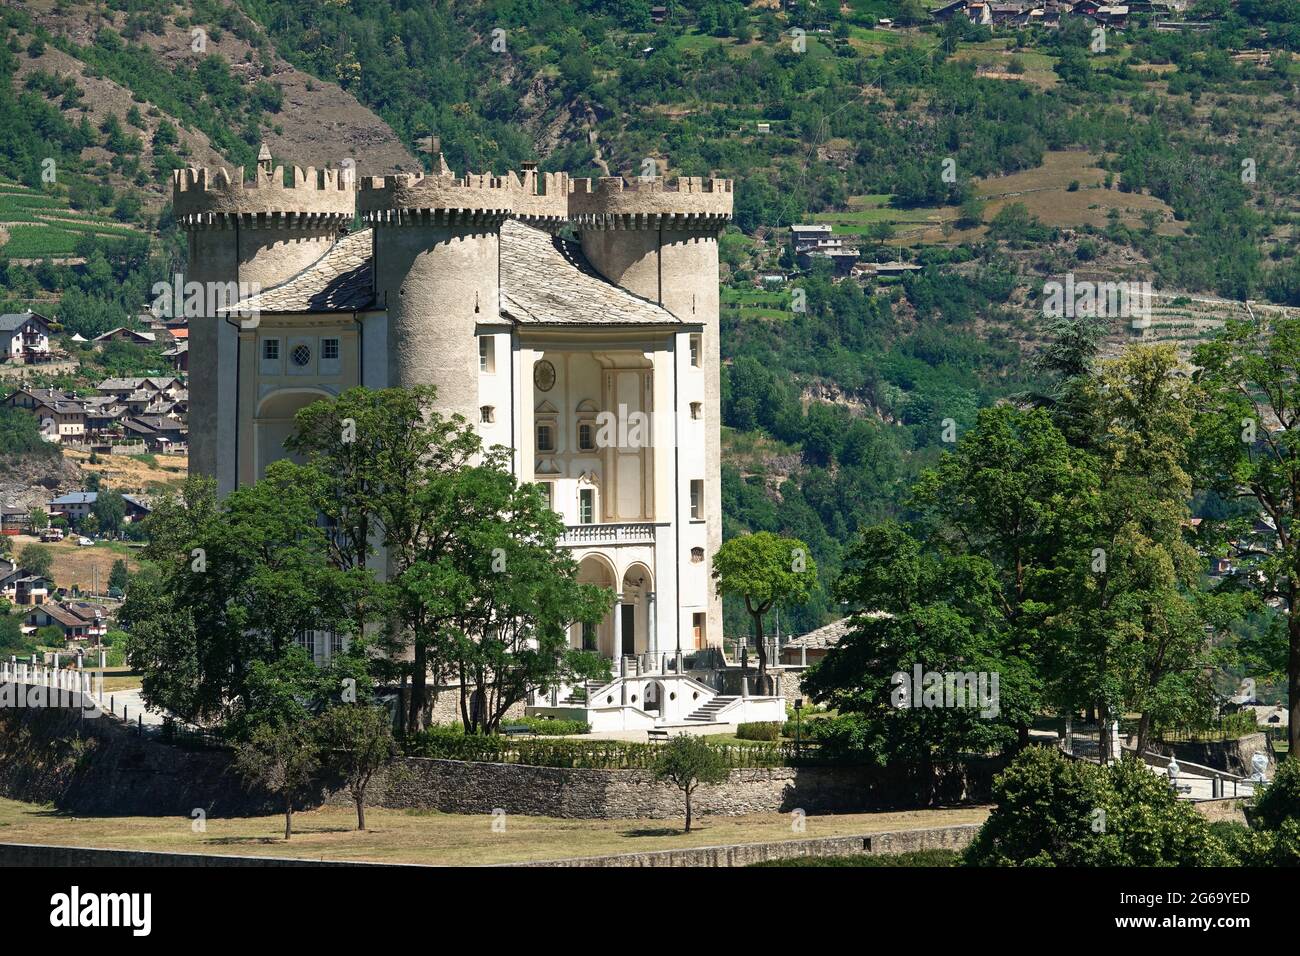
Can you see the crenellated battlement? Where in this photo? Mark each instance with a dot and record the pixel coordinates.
(201, 195)
(440, 196)
(613, 202)
(540, 199)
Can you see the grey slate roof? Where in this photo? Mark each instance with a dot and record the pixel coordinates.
(12, 321)
(547, 281)
(339, 281)
(544, 281)
(823, 637)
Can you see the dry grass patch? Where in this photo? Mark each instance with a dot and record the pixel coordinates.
(439, 838)
(83, 567)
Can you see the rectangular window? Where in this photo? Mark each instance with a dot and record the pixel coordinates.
(337, 643)
(697, 410)
(307, 641)
(696, 345)
(548, 493)
(329, 349)
(586, 436)
(588, 636)
(545, 437)
(698, 630)
(587, 506)
(486, 354)
(697, 499)
(487, 414)
(271, 350)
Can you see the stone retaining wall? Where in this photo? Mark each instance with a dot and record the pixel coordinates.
(452, 786)
(98, 767)
(894, 841)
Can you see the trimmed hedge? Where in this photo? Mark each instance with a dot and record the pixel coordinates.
(579, 754)
(769, 730)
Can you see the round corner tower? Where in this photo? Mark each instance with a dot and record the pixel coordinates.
(437, 271)
(244, 237)
(659, 240)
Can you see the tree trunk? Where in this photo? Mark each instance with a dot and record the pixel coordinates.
(1293, 684)
(419, 679)
(760, 686)
(361, 811)
(1144, 732)
(288, 817)
(688, 811)
(1103, 733)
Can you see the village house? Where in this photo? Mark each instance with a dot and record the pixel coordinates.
(123, 334)
(73, 626)
(77, 505)
(24, 338)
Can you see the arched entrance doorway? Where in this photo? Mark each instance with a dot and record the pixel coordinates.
(273, 422)
(598, 570)
(636, 611)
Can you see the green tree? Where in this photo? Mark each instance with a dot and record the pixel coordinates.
(766, 570)
(37, 559)
(39, 519)
(1133, 636)
(109, 510)
(283, 760)
(1248, 448)
(388, 467)
(358, 742)
(119, 576)
(230, 586)
(514, 595)
(687, 761)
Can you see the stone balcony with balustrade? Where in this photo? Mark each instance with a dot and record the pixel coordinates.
(611, 533)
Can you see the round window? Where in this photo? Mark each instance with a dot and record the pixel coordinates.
(673, 695)
(301, 355)
(634, 698)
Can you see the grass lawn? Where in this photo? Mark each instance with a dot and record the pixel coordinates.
(438, 838)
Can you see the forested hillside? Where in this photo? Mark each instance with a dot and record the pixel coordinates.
(993, 159)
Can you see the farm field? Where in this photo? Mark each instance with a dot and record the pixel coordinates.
(36, 226)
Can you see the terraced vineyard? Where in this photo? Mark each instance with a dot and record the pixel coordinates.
(36, 226)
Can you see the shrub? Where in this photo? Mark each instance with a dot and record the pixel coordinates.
(551, 726)
(769, 730)
(580, 754)
(1280, 800)
(1052, 811)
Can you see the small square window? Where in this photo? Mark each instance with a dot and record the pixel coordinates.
(697, 410)
(271, 350)
(301, 355)
(487, 414)
(697, 555)
(697, 499)
(329, 349)
(546, 438)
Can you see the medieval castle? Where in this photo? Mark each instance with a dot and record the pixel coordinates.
(463, 282)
